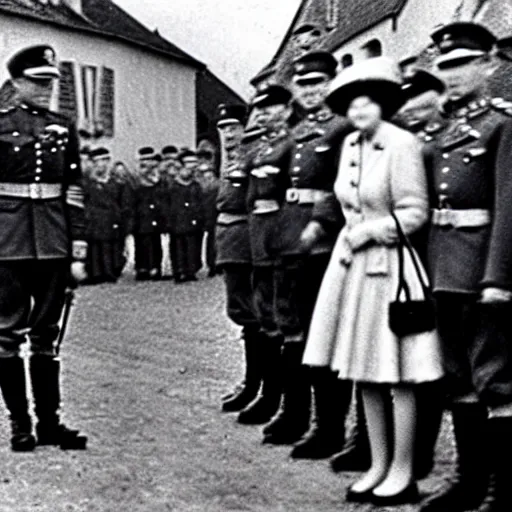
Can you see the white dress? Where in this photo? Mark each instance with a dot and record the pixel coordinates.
(349, 330)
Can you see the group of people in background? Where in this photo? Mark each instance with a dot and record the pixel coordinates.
(165, 206)
(335, 190)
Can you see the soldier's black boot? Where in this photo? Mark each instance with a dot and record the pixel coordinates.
(430, 399)
(332, 402)
(248, 391)
(45, 378)
(261, 410)
(469, 486)
(499, 494)
(12, 384)
(292, 420)
(355, 455)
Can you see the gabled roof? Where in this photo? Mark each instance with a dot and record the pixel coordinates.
(359, 15)
(102, 17)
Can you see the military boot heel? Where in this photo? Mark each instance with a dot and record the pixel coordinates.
(467, 489)
(45, 377)
(12, 384)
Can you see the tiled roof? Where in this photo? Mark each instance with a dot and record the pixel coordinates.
(101, 17)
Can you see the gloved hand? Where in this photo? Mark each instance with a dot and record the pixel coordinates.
(310, 235)
(495, 295)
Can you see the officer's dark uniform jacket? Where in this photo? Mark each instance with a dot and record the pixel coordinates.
(107, 209)
(462, 173)
(266, 193)
(150, 209)
(313, 166)
(41, 197)
(186, 209)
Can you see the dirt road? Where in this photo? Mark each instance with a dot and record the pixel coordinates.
(144, 365)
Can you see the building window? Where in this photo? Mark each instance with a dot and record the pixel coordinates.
(347, 60)
(86, 93)
(373, 48)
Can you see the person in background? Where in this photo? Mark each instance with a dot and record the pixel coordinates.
(85, 161)
(186, 220)
(170, 163)
(210, 185)
(150, 220)
(108, 214)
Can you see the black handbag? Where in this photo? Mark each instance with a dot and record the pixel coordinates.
(410, 316)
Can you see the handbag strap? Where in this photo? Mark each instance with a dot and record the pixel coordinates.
(402, 284)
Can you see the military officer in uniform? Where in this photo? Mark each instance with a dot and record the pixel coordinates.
(468, 166)
(265, 164)
(41, 240)
(233, 250)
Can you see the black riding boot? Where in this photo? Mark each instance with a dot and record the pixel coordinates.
(332, 402)
(469, 486)
(252, 381)
(12, 384)
(260, 410)
(499, 495)
(292, 420)
(45, 377)
(356, 452)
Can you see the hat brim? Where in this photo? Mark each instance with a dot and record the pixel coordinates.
(387, 94)
(311, 78)
(458, 54)
(42, 73)
(228, 121)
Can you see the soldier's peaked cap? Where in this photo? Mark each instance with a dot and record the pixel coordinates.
(420, 82)
(272, 95)
(100, 153)
(313, 65)
(169, 150)
(462, 41)
(35, 62)
(187, 155)
(148, 153)
(230, 114)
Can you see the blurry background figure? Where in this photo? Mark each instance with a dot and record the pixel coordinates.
(210, 184)
(186, 220)
(170, 164)
(123, 175)
(85, 160)
(107, 204)
(150, 216)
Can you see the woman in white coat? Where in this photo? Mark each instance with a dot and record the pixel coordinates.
(381, 171)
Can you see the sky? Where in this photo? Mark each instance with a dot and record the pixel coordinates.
(234, 38)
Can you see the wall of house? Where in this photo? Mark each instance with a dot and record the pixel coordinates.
(154, 99)
(412, 29)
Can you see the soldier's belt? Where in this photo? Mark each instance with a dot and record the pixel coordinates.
(262, 206)
(226, 219)
(31, 190)
(306, 195)
(461, 218)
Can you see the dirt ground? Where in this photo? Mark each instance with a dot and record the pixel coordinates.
(144, 365)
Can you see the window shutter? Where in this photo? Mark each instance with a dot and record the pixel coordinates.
(106, 101)
(67, 96)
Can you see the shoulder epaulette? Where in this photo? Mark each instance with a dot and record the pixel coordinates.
(8, 109)
(501, 105)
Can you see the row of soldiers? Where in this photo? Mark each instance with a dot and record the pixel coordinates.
(169, 201)
(278, 220)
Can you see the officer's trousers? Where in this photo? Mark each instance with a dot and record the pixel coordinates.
(31, 302)
(239, 294)
(148, 253)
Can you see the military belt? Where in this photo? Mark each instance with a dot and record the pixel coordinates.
(262, 206)
(226, 219)
(31, 190)
(470, 218)
(306, 195)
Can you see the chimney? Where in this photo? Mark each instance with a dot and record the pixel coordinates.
(76, 5)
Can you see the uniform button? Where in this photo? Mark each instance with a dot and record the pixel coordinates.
(446, 155)
(115, 226)
(16, 148)
(445, 170)
(194, 222)
(443, 186)
(154, 223)
(39, 152)
(73, 166)
(53, 150)
(37, 178)
(187, 204)
(466, 160)
(300, 145)
(296, 168)
(38, 171)
(39, 162)
(297, 156)
(151, 206)
(16, 134)
(37, 145)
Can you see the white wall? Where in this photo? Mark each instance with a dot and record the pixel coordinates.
(155, 100)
